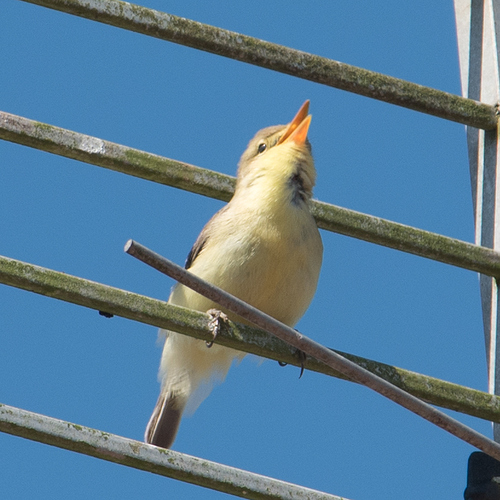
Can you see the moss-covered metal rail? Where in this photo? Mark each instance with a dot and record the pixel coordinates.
(279, 58)
(149, 458)
(160, 314)
(169, 172)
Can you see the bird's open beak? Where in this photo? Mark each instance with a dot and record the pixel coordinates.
(296, 130)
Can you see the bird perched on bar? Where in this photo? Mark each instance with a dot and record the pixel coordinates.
(264, 247)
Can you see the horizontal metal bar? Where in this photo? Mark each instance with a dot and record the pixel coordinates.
(238, 336)
(279, 58)
(116, 157)
(216, 185)
(311, 348)
(138, 455)
(407, 239)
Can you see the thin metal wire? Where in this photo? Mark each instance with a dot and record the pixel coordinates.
(209, 183)
(149, 458)
(279, 58)
(312, 348)
(158, 313)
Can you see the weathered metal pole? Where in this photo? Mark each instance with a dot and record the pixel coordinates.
(478, 37)
(477, 32)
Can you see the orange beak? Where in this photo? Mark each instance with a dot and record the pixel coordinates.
(297, 129)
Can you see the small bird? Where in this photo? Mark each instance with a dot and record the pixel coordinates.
(264, 247)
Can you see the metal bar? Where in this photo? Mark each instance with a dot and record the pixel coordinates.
(479, 44)
(315, 350)
(169, 172)
(407, 239)
(238, 336)
(279, 58)
(116, 157)
(138, 455)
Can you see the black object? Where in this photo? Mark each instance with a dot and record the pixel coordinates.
(483, 478)
(105, 314)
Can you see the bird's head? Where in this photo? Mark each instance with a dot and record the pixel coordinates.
(279, 159)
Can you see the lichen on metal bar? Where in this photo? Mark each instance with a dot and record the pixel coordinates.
(238, 336)
(114, 156)
(142, 456)
(198, 180)
(407, 238)
(279, 58)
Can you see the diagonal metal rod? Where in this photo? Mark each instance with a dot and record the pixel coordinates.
(147, 310)
(279, 58)
(216, 185)
(313, 349)
(138, 455)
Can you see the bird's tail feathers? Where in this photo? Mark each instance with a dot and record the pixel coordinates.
(166, 418)
(188, 370)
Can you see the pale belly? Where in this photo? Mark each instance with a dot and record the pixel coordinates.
(275, 273)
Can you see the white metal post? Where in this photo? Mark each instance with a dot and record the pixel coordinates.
(478, 36)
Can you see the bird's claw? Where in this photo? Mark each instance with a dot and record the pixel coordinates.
(302, 358)
(214, 324)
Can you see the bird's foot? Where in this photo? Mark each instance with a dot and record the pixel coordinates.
(216, 317)
(302, 358)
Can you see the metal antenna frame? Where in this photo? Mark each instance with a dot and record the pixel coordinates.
(478, 43)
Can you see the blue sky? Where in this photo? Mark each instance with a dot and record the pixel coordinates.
(70, 363)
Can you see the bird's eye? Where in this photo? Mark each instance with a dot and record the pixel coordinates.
(262, 147)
